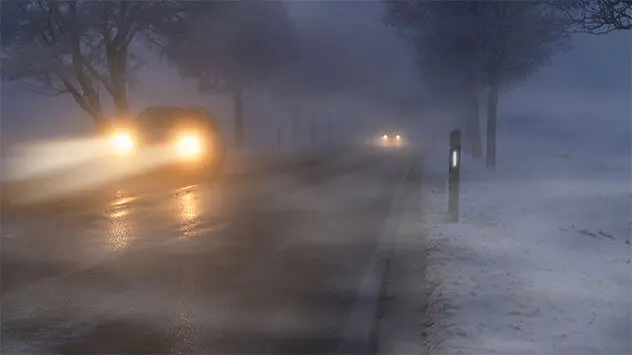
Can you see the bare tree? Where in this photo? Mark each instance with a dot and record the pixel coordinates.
(598, 16)
(517, 39)
(240, 47)
(445, 38)
(467, 46)
(78, 47)
(116, 25)
(50, 51)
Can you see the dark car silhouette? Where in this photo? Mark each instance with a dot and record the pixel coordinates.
(189, 137)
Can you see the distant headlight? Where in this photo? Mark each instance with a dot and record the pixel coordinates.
(397, 137)
(189, 146)
(122, 142)
(385, 136)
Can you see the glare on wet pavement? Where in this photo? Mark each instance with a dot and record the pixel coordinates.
(120, 229)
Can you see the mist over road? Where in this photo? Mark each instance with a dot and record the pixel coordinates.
(262, 265)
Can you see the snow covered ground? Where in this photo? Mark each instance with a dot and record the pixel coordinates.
(539, 262)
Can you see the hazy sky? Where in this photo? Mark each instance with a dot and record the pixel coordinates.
(584, 94)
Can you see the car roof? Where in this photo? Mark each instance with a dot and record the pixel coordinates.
(172, 114)
(164, 112)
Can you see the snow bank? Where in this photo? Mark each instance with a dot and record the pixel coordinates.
(539, 262)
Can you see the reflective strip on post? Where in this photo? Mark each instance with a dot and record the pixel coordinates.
(454, 158)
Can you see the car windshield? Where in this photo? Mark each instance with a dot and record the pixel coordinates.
(160, 118)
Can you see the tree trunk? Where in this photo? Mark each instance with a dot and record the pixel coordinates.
(473, 121)
(119, 96)
(100, 123)
(467, 137)
(117, 66)
(492, 112)
(90, 103)
(238, 112)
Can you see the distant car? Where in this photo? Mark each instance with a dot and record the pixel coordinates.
(189, 136)
(391, 140)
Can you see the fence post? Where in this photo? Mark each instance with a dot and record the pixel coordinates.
(454, 175)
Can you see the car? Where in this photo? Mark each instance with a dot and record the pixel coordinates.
(391, 140)
(190, 137)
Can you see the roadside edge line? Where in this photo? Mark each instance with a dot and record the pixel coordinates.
(360, 329)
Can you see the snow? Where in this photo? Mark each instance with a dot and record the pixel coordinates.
(539, 262)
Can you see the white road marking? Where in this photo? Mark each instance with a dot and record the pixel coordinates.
(361, 322)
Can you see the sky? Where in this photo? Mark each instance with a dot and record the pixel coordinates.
(583, 95)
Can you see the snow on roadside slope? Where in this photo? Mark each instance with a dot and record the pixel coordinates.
(538, 263)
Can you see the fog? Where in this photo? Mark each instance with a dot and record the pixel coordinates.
(358, 76)
(350, 221)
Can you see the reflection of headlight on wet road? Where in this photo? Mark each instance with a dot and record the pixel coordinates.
(189, 209)
(189, 146)
(122, 142)
(120, 231)
(189, 212)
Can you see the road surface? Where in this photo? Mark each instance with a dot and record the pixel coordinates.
(265, 265)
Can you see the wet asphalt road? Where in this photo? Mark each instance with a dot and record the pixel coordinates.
(269, 264)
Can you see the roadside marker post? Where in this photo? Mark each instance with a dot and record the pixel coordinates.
(454, 175)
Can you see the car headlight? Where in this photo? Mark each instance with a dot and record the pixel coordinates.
(189, 146)
(385, 136)
(122, 142)
(398, 137)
